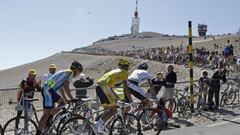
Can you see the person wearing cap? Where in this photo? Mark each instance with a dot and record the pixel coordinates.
(82, 85)
(27, 87)
(52, 69)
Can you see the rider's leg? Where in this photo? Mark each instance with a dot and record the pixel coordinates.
(107, 99)
(43, 120)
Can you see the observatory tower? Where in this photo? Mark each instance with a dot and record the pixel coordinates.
(135, 22)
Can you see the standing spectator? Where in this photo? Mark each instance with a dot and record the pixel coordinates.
(52, 69)
(215, 86)
(171, 79)
(203, 87)
(27, 89)
(82, 85)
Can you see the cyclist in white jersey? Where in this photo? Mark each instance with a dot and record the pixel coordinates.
(137, 77)
(54, 90)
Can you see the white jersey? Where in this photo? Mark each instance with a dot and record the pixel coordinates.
(140, 76)
(45, 77)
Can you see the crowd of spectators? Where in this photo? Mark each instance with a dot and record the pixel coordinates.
(173, 54)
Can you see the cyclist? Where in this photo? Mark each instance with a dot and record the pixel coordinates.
(137, 77)
(54, 91)
(27, 89)
(52, 70)
(107, 96)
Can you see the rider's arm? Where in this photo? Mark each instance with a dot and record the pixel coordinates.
(67, 89)
(62, 93)
(126, 91)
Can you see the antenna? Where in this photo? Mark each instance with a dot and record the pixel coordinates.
(136, 5)
(136, 11)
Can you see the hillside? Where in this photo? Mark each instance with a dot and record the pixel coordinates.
(94, 67)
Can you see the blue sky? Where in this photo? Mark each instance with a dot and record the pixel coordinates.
(35, 29)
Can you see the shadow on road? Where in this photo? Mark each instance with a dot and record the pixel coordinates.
(225, 112)
(231, 121)
(182, 121)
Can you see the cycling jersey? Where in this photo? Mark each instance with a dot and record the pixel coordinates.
(106, 82)
(137, 77)
(57, 80)
(113, 77)
(52, 86)
(140, 76)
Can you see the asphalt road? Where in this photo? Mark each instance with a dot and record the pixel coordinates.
(224, 127)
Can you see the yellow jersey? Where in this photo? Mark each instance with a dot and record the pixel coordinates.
(113, 77)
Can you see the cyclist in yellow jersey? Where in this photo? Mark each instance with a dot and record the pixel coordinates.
(107, 96)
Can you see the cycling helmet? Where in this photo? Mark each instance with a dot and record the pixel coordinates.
(77, 65)
(123, 62)
(143, 66)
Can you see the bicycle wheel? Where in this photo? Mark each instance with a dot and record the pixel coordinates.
(167, 103)
(183, 104)
(128, 125)
(12, 128)
(228, 98)
(151, 120)
(77, 125)
(61, 119)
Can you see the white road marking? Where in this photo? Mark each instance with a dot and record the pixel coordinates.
(224, 122)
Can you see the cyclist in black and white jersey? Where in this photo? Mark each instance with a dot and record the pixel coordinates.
(138, 76)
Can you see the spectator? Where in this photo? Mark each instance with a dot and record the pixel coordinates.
(82, 85)
(203, 87)
(171, 79)
(27, 89)
(158, 82)
(215, 86)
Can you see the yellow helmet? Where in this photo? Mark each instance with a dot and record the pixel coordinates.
(32, 72)
(123, 62)
(53, 66)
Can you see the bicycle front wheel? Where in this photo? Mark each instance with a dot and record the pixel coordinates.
(151, 120)
(129, 124)
(15, 126)
(231, 96)
(77, 125)
(228, 98)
